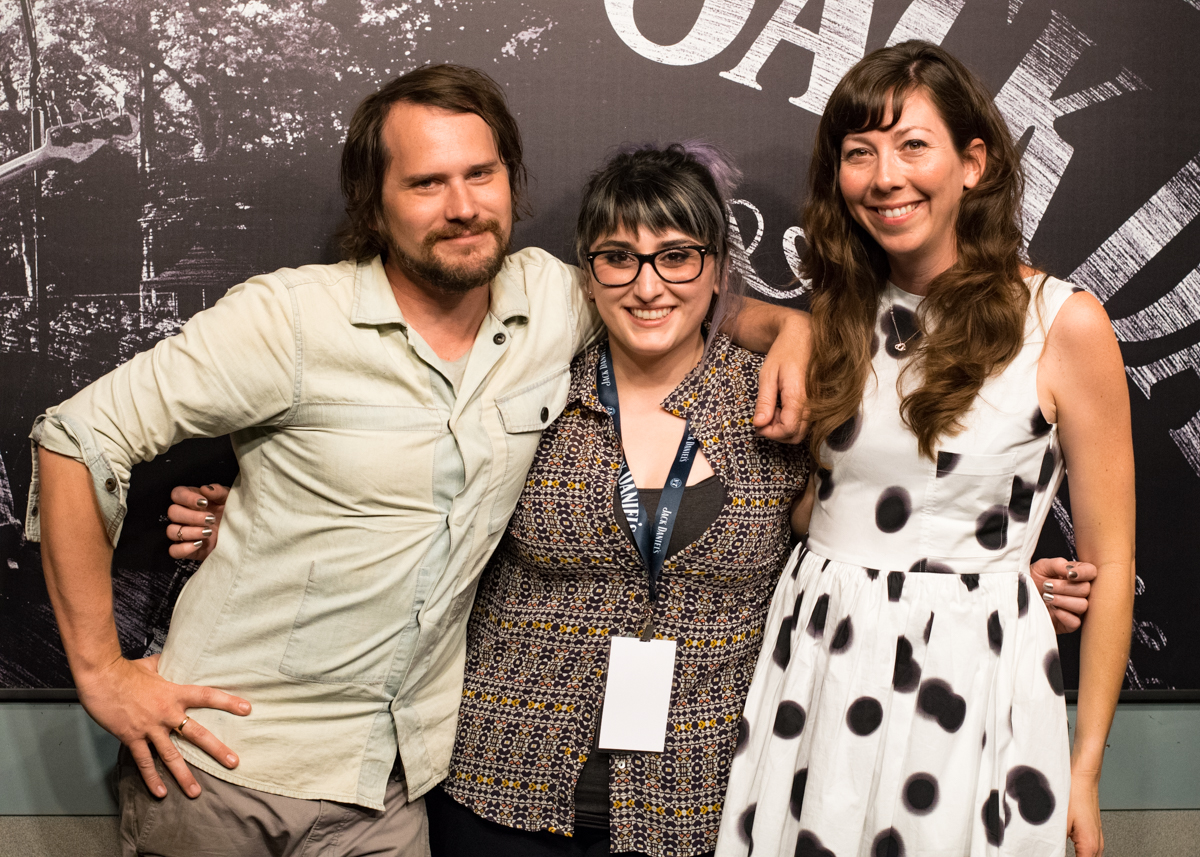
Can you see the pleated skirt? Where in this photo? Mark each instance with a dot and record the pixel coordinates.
(901, 713)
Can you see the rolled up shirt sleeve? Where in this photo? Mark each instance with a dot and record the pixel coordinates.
(231, 366)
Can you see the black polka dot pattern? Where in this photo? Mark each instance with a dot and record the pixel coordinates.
(743, 735)
(993, 824)
(1031, 790)
(895, 580)
(824, 483)
(946, 462)
(971, 581)
(995, 632)
(888, 844)
(1053, 665)
(872, 573)
(843, 437)
(864, 716)
(843, 636)
(991, 528)
(816, 622)
(1022, 596)
(920, 794)
(746, 826)
(893, 509)
(1047, 471)
(799, 562)
(789, 720)
(928, 628)
(1021, 500)
(808, 845)
(928, 566)
(906, 675)
(1038, 425)
(799, 782)
(938, 701)
(782, 654)
(796, 609)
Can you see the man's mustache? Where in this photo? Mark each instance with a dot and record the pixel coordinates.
(492, 226)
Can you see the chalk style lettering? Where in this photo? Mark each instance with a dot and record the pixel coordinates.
(840, 42)
(1026, 103)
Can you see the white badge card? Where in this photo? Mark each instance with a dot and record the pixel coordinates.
(637, 695)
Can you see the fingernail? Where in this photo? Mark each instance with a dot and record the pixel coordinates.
(160, 791)
(1070, 566)
(1047, 597)
(244, 707)
(231, 760)
(1071, 575)
(208, 532)
(198, 544)
(202, 503)
(210, 519)
(1048, 586)
(211, 487)
(193, 791)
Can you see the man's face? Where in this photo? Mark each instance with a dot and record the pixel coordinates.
(447, 204)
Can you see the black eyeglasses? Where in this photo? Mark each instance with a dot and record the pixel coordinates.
(674, 265)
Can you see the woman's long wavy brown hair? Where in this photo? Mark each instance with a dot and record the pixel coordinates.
(973, 317)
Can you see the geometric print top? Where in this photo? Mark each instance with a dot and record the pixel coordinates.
(980, 506)
(566, 579)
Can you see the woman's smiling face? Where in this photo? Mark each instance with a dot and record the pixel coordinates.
(651, 317)
(904, 184)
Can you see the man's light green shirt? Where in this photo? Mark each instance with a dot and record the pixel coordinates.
(370, 497)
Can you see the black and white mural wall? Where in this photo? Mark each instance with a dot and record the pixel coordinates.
(154, 153)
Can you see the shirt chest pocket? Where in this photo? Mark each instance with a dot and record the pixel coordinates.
(966, 509)
(524, 413)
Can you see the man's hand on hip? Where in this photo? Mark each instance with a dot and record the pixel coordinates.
(134, 703)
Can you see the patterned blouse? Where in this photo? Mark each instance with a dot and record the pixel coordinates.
(566, 578)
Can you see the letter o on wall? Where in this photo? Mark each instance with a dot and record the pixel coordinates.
(716, 27)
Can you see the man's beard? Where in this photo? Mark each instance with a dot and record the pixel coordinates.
(455, 279)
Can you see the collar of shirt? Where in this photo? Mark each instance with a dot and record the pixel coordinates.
(375, 305)
(684, 401)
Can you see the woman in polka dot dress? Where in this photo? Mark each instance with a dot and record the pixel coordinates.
(908, 701)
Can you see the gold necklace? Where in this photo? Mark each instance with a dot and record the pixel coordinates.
(901, 344)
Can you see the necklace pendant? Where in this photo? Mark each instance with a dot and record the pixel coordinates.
(900, 346)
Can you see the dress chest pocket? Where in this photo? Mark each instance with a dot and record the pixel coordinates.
(524, 413)
(966, 506)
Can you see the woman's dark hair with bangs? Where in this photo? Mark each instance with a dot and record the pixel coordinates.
(973, 317)
(365, 158)
(681, 186)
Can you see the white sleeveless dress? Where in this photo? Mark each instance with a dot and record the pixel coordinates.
(908, 699)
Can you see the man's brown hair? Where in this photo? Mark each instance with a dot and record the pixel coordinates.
(365, 158)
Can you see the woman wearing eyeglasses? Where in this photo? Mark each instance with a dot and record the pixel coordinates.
(657, 427)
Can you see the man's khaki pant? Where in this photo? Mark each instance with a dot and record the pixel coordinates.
(228, 820)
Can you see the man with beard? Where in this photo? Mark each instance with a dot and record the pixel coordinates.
(384, 412)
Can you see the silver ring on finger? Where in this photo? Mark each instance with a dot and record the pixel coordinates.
(179, 728)
(179, 538)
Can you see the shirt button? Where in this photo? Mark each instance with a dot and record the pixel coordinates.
(499, 338)
(110, 485)
(545, 415)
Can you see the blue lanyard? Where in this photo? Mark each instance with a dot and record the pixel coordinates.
(652, 538)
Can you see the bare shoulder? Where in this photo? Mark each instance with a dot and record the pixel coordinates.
(1081, 326)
